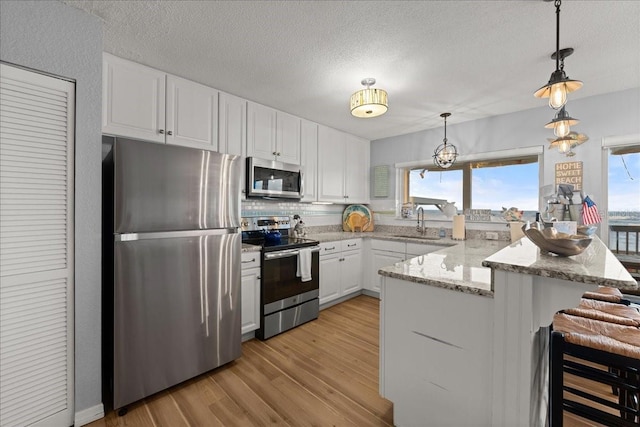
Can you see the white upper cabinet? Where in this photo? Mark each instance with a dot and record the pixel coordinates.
(288, 138)
(232, 124)
(261, 131)
(331, 164)
(356, 174)
(144, 103)
(192, 114)
(343, 167)
(232, 131)
(132, 100)
(309, 159)
(272, 134)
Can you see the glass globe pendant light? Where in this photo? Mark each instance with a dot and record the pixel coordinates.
(446, 154)
(559, 84)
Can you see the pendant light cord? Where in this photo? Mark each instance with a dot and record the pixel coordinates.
(445, 131)
(557, 4)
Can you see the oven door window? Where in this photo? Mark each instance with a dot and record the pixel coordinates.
(267, 179)
(279, 278)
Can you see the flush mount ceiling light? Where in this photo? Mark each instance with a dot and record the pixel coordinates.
(559, 84)
(561, 123)
(566, 144)
(445, 155)
(369, 102)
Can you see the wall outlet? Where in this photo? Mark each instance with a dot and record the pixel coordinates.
(491, 235)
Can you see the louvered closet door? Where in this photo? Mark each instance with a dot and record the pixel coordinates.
(36, 249)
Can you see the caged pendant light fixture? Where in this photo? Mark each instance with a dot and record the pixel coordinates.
(561, 123)
(566, 144)
(559, 84)
(446, 154)
(369, 102)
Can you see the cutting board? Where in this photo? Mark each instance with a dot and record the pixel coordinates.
(357, 218)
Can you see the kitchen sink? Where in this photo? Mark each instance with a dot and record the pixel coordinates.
(416, 236)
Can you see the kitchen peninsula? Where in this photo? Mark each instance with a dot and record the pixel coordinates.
(464, 341)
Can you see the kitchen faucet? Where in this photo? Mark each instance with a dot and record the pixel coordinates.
(421, 209)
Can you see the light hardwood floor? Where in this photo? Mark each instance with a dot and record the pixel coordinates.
(323, 373)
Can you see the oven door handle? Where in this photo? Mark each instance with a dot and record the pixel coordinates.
(287, 253)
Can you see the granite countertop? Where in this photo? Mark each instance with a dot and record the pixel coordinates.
(345, 235)
(458, 267)
(251, 248)
(597, 264)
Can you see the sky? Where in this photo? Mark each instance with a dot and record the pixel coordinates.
(492, 188)
(517, 186)
(624, 192)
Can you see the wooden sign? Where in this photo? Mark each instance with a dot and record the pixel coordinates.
(569, 173)
(477, 214)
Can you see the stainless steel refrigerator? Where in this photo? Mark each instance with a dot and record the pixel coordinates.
(171, 265)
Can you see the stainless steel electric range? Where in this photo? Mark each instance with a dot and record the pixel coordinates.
(286, 300)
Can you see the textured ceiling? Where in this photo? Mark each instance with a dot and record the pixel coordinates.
(472, 58)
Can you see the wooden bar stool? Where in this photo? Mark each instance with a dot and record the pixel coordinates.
(577, 343)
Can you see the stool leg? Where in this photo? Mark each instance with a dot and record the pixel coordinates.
(556, 370)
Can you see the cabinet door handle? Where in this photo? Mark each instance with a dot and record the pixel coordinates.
(329, 249)
(170, 133)
(258, 277)
(274, 153)
(247, 262)
(349, 246)
(161, 131)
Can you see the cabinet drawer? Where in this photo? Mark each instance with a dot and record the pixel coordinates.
(250, 260)
(388, 245)
(351, 244)
(329, 248)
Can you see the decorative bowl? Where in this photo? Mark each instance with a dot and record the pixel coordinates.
(549, 240)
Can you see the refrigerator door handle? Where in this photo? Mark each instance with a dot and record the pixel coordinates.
(128, 237)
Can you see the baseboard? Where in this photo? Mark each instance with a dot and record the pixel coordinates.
(248, 336)
(371, 293)
(89, 415)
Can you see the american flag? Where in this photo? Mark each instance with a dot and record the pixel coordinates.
(590, 212)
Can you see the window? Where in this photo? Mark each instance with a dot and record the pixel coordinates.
(623, 193)
(491, 184)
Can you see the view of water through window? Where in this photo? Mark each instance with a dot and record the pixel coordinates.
(492, 188)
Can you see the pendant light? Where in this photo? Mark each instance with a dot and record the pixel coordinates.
(561, 123)
(446, 154)
(559, 84)
(566, 144)
(369, 102)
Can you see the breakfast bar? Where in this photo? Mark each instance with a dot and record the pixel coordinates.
(465, 330)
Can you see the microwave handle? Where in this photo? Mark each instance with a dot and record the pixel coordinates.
(301, 184)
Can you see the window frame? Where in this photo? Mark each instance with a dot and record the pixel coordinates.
(466, 163)
(610, 143)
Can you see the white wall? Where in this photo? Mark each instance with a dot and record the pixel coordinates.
(57, 39)
(601, 116)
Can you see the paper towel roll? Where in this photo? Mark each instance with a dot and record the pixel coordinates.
(458, 227)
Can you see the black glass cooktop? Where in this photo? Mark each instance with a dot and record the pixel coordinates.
(273, 243)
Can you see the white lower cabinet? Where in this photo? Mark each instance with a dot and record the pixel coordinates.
(250, 291)
(340, 269)
(381, 259)
(385, 253)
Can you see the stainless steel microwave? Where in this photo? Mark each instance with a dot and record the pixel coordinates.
(272, 179)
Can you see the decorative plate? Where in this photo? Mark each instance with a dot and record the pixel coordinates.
(357, 218)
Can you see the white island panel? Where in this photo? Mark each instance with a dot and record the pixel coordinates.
(436, 347)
